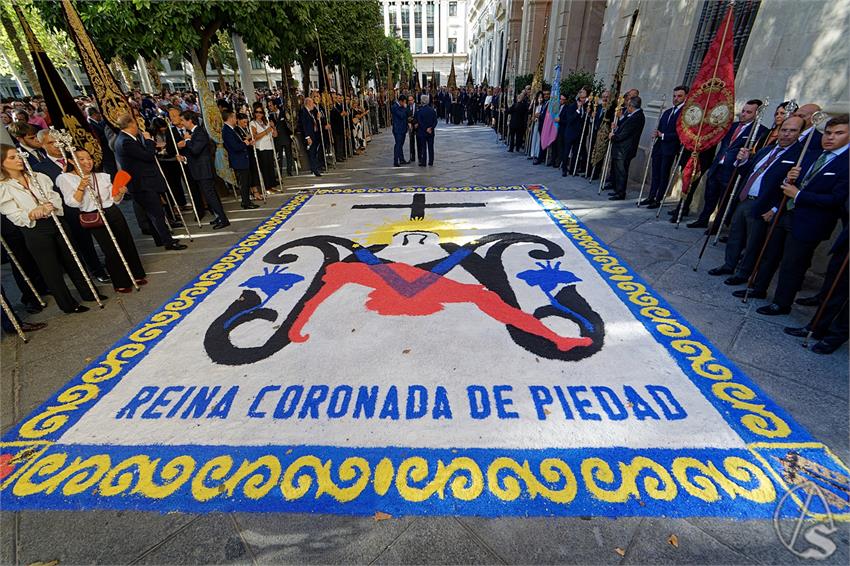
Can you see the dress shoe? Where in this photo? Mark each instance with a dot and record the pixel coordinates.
(123, 289)
(826, 347)
(141, 281)
(102, 278)
(250, 206)
(33, 308)
(808, 301)
(221, 225)
(563, 174)
(32, 326)
(723, 239)
(617, 197)
(317, 174)
(653, 205)
(800, 332)
(735, 280)
(753, 294)
(722, 270)
(78, 309)
(646, 201)
(177, 224)
(698, 224)
(422, 165)
(432, 163)
(773, 309)
(175, 246)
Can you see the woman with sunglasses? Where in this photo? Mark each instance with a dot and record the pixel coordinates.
(264, 132)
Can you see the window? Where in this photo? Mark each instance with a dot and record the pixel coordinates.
(429, 27)
(393, 18)
(175, 63)
(452, 45)
(405, 20)
(709, 22)
(256, 63)
(453, 8)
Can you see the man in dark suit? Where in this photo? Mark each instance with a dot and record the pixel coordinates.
(54, 164)
(412, 108)
(283, 141)
(570, 121)
(199, 155)
(758, 197)
(519, 120)
(426, 123)
(806, 111)
(237, 154)
(99, 128)
(338, 118)
(137, 156)
(624, 144)
(666, 147)
(723, 166)
(309, 126)
(810, 215)
(400, 126)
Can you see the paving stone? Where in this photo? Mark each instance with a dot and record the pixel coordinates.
(651, 545)
(437, 540)
(209, 539)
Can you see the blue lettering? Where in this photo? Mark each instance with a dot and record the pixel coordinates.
(678, 412)
(222, 408)
(414, 391)
(607, 397)
(315, 395)
(582, 404)
(390, 408)
(252, 410)
(181, 401)
(337, 408)
(568, 413)
(144, 395)
(501, 402)
(366, 401)
(476, 394)
(200, 402)
(442, 408)
(640, 408)
(161, 401)
(282, 411)
(541, 397)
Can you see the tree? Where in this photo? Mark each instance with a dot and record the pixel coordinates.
(18, 49)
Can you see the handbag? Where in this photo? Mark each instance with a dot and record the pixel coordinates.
(93, 219)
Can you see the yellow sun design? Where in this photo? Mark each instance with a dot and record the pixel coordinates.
(448, 231)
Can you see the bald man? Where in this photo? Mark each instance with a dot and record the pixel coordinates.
(806, 111)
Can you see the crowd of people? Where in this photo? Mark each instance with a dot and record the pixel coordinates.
(60, 213)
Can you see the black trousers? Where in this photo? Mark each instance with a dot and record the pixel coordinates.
(661, 165)
(174, 176)
(54, 260)
(412, 136)
(211, 196)
(426, 149)
(82, 241)
(284, 152)
(243, 179)
(620, 173)
(152, 206)
(715, 186)
(833, 319)
(398, 148)
(515, 138)
(114, 265)
(14, 238)
(746, 239)
(266, 161)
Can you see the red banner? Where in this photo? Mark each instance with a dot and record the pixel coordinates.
(710, 106)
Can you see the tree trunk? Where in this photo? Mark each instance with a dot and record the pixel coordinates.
(18, 78)
(153, 71)
(20, 52)
(305, 76)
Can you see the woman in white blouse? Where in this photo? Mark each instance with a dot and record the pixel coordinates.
(28, 203)
(77, 193)
(264, 132)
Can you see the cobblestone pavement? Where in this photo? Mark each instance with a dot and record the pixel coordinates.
(812, 388)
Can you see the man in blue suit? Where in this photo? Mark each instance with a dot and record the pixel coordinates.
(311, 132)
(399, 112)
(570, 121)
(237, 154)
(426, 122)
(723, 166)
(666, 147)
(759, 194)
(199, 156)
(817, 192)
(624, 144)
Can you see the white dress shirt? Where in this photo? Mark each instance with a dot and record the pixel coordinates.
(16, 202)
(68, 183)
(266, 143)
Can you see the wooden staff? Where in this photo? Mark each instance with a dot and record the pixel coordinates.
(775, 221)
(24, 273)
(649, 153)
(825, 300)
(14, 320)
(605, 162)
(173, 200)
(257, 161)
(33, 178)
(590, 137)
(671, 181)
(183, 171)
(581, 138)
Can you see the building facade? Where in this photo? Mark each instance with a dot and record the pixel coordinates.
(436, 33)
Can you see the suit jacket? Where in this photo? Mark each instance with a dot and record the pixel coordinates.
(237, 150)
(426, 117)
(728, 148)
(669, 144)
(770, 191)
(50, 169)
(284, 134)
(198, 154)
(308, 125)
(624, 144)
(569, 124)
(399, 114)
(821, 200)
(138, 158)
(519, 115)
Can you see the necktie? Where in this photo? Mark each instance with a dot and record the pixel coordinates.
(758, 173)
(737, 133)
(819, 164)
(61, 162)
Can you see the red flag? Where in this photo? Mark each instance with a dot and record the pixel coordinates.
(710, 106)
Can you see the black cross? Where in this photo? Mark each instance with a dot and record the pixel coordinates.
(418, 206)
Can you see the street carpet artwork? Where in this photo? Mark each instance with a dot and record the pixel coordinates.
(416, 351)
